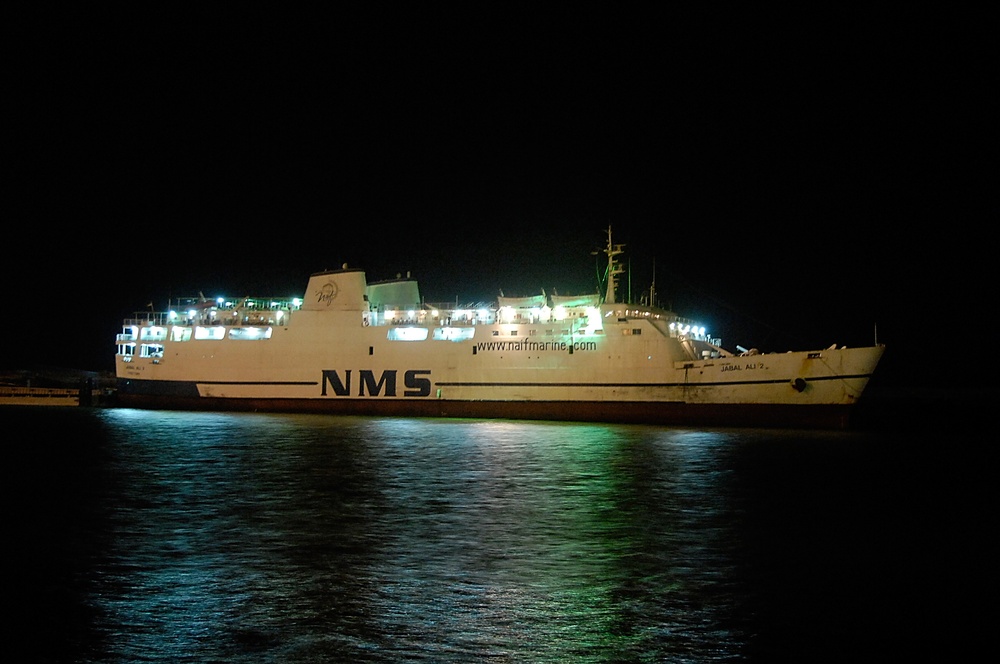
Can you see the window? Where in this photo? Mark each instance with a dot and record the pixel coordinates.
(407, 334)
(151, 350)
(216, 332)
(453, 333)
(180, 333)
(251, 333)
(153, 333)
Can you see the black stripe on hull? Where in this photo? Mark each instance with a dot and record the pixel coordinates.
(184, 396)
(728, 383)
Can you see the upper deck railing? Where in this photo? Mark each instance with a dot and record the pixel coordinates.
(271, 311)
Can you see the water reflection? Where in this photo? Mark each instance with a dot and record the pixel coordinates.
(299, 538)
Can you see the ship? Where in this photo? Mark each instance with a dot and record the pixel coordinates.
(350, 347)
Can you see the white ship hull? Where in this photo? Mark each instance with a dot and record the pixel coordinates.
(346, 349)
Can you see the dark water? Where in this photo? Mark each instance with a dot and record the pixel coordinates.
(202, 537)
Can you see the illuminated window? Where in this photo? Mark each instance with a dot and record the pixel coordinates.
(151, 350)
(216, 332)
(453, 333)
(251, 333)
(407, 334)
(153, 333)
(180, 333)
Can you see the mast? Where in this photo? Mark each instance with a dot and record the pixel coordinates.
(614, 269)
(652, 287)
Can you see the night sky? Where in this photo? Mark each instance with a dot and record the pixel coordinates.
(795, 182)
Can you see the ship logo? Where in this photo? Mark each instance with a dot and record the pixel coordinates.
(370, 386)
(328, 293)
